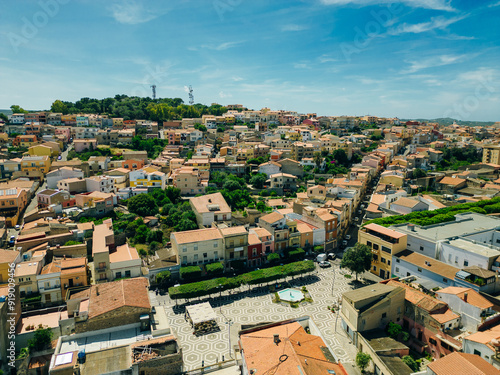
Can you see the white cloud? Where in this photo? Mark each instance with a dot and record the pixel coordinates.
(426, 4)
(434, 23)
(221, 46)
(433, 62)
(223, 95)
(325, 59)
(293, 27)
(494, 4)
(132, 12)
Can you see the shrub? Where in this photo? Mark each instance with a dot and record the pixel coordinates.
(162, 277)
(41, 339)
(318, 249)
(411, 363)
(297, 254)
(142, 253)
(153, 246)
(190, 273)
(362, 360)
(273, 258)
(71, 243)
(393, 330)
(214, 268)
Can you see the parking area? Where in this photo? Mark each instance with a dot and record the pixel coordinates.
(252, 306)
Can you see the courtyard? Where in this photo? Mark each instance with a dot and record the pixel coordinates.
(254, 306)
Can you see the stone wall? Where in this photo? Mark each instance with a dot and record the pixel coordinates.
(168, 365)
(118, 317)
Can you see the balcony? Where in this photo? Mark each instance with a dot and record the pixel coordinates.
(101, 268)
(52, 287)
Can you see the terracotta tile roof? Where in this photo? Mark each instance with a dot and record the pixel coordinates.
(8, 256)
(272, 217)
(445, 317)
(123, 253)
(473, 297)
(419, 298)
(304, 352)
(201, 204)
(383, 230)
(116, 294)
(406, 202)
(262, 232)
(462, 364)
(451, 181)
(433, 265)
(253, 239)
(197, 235)
(233, 231)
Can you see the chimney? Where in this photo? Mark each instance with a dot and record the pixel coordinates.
(276, 339)
(465, 297)
(411, 227)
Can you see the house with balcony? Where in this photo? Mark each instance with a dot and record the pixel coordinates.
(26, 141)
(200, 246)
(433, 325)
(103, 242)
(276, 224)
(283, 182)
(210, 208)
(102, 184)
(35, 164)
(25, 276)
(384, 243)
(9, 167)
(13, 201)
(99, 163)
(50, 197)
(147, 177)
(49, 284)
(83, 145)
(235, 241)
(74, 273)
(255, 253)
(125, 262)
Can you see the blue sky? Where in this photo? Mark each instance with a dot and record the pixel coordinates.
(411, 59)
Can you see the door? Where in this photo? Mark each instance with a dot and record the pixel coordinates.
(382, 274)
(70, 281)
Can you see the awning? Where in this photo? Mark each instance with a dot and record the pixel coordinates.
(201, 313)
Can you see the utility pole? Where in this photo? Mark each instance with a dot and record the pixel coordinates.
(153, 87)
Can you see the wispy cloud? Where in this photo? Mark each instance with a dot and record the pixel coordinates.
(418, 28)
(494, 4)
(132, 12)
(217, 47)
(325, 59)
(433, 62)
(293, 27)
(426, 4)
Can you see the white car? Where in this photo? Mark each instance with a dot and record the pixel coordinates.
(17, 227)
(347, 237)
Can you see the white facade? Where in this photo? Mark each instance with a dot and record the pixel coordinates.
(100, 183)
(128, 268)
(269, 168)
(461, 253)
(60, 174)
(17, 118)
(49, 286)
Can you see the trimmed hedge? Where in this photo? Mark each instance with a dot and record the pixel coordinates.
(190, 272)
(162, 277)
(297, 254)
(273, 258)
(441, 215)
(204, 288)
(214, 268)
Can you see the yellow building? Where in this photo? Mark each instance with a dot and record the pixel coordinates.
(43, 150)
(293, 136)
(7, 257)
(491, 154)
(384, 243)
(35, 163)
(245, 153)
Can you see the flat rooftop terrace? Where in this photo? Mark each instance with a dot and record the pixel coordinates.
(100, 340)
(466, 223)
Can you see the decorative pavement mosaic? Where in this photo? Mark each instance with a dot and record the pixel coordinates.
(252, 306)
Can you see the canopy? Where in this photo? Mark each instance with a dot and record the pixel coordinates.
(201, 313)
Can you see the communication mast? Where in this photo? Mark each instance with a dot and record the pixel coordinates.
(154, 91)
(191, 96)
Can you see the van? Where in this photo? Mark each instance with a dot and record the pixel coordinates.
(321, 258)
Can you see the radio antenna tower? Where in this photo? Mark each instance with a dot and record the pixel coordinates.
(191, 96)
(154, 91)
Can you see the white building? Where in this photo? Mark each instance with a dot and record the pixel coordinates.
(100, 183)
(55, 176)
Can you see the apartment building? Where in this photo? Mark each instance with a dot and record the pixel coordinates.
(235, 240)
(384, 243)
(35, 164)
(82, 145)
(26, 277)
(25, 140)
(189, 180)
(147, 177)
(102, 184)
(198, 246)
(53, 177)
(491, 154)
(49, 197)
(13, 201)
(210, 208)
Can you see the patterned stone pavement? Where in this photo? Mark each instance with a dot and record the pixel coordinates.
(256, 306)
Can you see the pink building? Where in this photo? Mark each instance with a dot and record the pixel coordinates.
(65, 132)
(82, 145)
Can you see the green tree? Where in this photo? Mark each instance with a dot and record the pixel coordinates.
(411, 363)
(162, 277)
(357, 259)
(173, 193)
(4, 117)
(362, 361)
(419, 173)
(258, 180)
(143, 205)
(153, 246)
(141, 234)
(17, 109)
(41, 340)
(393, 330)
(59, 107)
(318, 159)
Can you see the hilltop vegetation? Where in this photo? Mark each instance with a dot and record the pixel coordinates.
(134, 107)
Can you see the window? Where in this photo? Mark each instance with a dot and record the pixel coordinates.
(375, 246)
(374, 268)
(196, 246)
(432, 341)
(477, 352)
(382, 260)
(419, 269)
(445, 280)
(397, 269)
(397, 260)
(368, 243)
(195, 257)
(184, 249)
(118, 275)
(388, 262)
(384, 315)
(386, 249)
(408, 274)
(466, 263)
(216, 244)
(449, 257)
(422, 248)
(375, 257)
(127, 273)
(205, 255)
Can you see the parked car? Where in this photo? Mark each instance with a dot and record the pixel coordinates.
(332, 256)
(59, 157)
(12, 240)
(324, 264)
(347, 237)
(17, 227)
(321, 258)
(344, 243)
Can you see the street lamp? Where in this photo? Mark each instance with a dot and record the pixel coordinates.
(229, 323)
(220, 297)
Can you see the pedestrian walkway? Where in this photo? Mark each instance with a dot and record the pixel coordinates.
(252, 306)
